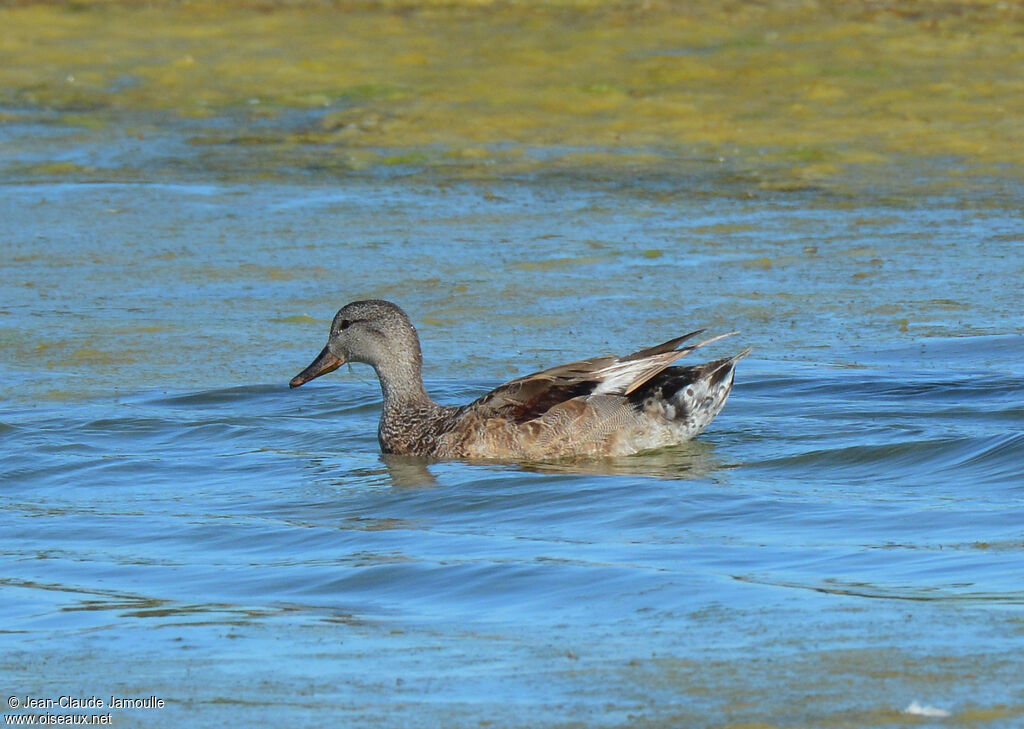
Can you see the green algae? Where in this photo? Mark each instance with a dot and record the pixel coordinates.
(792, 97)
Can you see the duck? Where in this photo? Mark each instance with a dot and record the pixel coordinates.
(606, 406)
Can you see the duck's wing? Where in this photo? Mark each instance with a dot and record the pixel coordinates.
(529, 397)
(669, 346)
(526, 398)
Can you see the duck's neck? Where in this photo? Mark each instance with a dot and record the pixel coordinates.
(401, 384)
(401, 375)
(408, 410)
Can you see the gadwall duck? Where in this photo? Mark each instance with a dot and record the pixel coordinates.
(606, 406)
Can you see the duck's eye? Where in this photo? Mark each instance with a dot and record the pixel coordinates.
(345, 324)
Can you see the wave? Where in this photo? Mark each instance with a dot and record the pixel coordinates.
(914, 593)
(989, 459)
(835, 424)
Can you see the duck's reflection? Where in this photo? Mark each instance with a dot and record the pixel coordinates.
(408, 471)
(691, 460)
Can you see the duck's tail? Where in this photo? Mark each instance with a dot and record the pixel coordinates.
(689, 397)
(702, 400)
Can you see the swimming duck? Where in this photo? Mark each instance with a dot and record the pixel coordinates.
(605, 406)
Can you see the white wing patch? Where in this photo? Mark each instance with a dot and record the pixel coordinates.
(624, 376)
(621, 378)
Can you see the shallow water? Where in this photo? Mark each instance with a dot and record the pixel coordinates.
(845, 539)
(189, 191)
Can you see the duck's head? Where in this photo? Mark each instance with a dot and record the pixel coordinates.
(375, 332)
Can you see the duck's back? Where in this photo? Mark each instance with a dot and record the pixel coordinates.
(545, 417)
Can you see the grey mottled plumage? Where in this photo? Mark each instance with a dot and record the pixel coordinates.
(605, 406)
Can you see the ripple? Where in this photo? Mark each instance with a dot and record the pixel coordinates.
(956, 594)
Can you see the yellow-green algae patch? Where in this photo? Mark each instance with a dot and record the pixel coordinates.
(551, 264)
(798, 94)
(297, 319)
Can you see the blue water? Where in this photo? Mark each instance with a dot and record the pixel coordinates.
(845, 540)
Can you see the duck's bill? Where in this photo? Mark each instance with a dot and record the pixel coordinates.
(325, 362)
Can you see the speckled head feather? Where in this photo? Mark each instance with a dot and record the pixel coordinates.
(605, 406)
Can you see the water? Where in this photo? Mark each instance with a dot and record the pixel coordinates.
(844, 541)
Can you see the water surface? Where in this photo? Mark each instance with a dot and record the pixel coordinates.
(844, 540)
(188, 194)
